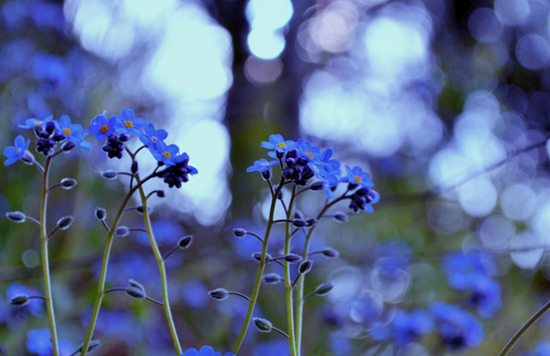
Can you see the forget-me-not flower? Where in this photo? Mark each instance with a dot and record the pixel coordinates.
(205, 351)
(32, 123)
(152, 136)
(278, 143)
(128, 123)
(72, 132)
(102, 128)
(261, 166)
(15, 153)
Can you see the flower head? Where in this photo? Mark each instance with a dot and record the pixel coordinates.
(278, 143)
(261, 166)
(363, 199)
(357, 177)
(457, 328)
(306, 149)
(15, 153)
(128, 123)
(205, 351)
(102, 128)
(405, 327)
(152, 136)
(178, 173)
(72, 132)
(33, 123)
(164, 153)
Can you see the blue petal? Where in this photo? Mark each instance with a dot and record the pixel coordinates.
(127, 115)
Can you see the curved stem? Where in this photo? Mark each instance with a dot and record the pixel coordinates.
(288, 282)
(45, 260)
(258, 282)
(161, 266)
(524, 329)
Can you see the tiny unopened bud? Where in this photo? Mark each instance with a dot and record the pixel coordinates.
(109, 174)
(122, 231)
(28, 158)
(324, 289)
(68, 183)
(305, 267)
(316, 186)
(20, 299)
(267, 174)
(135, 292)
(65, 222)
(134, 167)
(240, 233)
(139, 209)
(299, 223)
(161, 194)
(134, 284)
(263, 325)
(185, 242)
(124, 138)
(292, 258)
(272, 278)
(280, 196)
(100, 213)
(310, 222)
(219, 294)
(16, 216)
(67, 146)
(258, 256)
(341, 217)
(330, 253)
(298, 215)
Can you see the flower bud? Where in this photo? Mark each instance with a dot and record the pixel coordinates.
(310, 222)
(28, 158)
(240, 233)
(67, 146)
(280, 196)
(185, 242)
(263, 325)
(267, 174)
(258, 256)
(122, 231)
(65, 222)
(109, 174)
(299, 223)
(16, 216)
(68, 183)
(292, 258)
(219, 294)
(341, 217)
(305, 266)
(139, 209)
(323, 289)
(100, 213)
(134, 167)
(316, 186)
(330, 253)
(20, 299)
(124, 138)
(272, 278)
(161, 194)
(298, 215)
(135, 292)
(134, 284)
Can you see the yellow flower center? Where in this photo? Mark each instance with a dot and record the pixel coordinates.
(129, 124)
(37, 122)
(67, 131)
(104, 128)
(357, 179)
(281, 144)
(167, 154)
(309, 154)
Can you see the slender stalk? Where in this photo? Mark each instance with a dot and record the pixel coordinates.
(288, 282)
(300, 299)
(161, 266)
(45, 260)
(258, 282)
(524, 329)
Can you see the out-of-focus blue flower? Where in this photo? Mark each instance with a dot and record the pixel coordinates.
(356, 176)
(47, 15)
(152, 136)
(463, 270)
(14, 14)
(50, 70)
(542, 348)
(278, 143)
(404, 328)
(15, 153)
(32, 123)
(485, 297)
(34, 306)
(392, 256)
(341, 346)
(261, 166)
(271, 348)
(114, 323)
(457, 328)
(39, 343)
(163, 153)
(101, 128)
(195, 294)
(72, 132)
(15, 57)
(128, 123)
(205, 351)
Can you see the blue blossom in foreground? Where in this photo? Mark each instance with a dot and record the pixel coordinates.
(404, 328)
(278, 143)
(102, 128)
(15, 153)
(33, 123)
(152, 136)
(72, 132)
(39, 343)
(177, 174)
(164, 153)
(356, 176)
(261, 166)
(542, 348)
(485, 297)
(457, 328)
(205, 351)
(128, 123)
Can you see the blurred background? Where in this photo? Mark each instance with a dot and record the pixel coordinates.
(429, 97)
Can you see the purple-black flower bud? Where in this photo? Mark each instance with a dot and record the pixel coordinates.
(161, 193)
(124, 138)
(134, 167)
(323, 289)
(267, 174)
(185, 242)
(298, 215)
(16, 216)
(58, 137)
(28, 158)
(109, 174)
(240, 233)
(65, 222)
(310, 222)
(305, 266)
(263, 325)
(218, 294)
(299, 223)
(133, 283)
(44, 134)
(20, 299)
(257, 256)
(135, 292)
(330, 253)
(50, 127)
(68, 183)
(292, 258)
(271, 278)
(316, 186)
(341, 217)
(122, 231)
(100, 213)
(293, 153)
(67, 146)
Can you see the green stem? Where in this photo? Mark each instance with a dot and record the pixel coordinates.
(300, 289)
(288, 282)
(45, 260)
(524, 329)
(258, 282)
(161, 266)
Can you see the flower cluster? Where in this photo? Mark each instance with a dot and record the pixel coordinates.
(204, 351)
(301, 161)
(457, 328)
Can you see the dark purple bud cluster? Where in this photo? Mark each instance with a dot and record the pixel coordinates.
(47, 138)
(362, 198)
(114, 146)
(177, 174)
(296, 168)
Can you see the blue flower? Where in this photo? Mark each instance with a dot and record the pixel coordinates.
(356, 176)
(164, 153)
(306, 149)
(405, 327)
(178, 173)
(463, 270)
(457, 328)
(485, 297)
(102, 128)
(205, 351)
(541, 349)
(128, 123)
(72, 132)
(261, 166)
(152, 136)
(39, 343)
(278, 143)
(326, 159)
(15, 153)
(32, 123)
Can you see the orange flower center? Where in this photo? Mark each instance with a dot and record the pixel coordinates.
(167, 154)
(37, 122)
(309, 154)
(357, 179)
(67, 131)
(129, 124)
(104, 128)
(281, 144)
